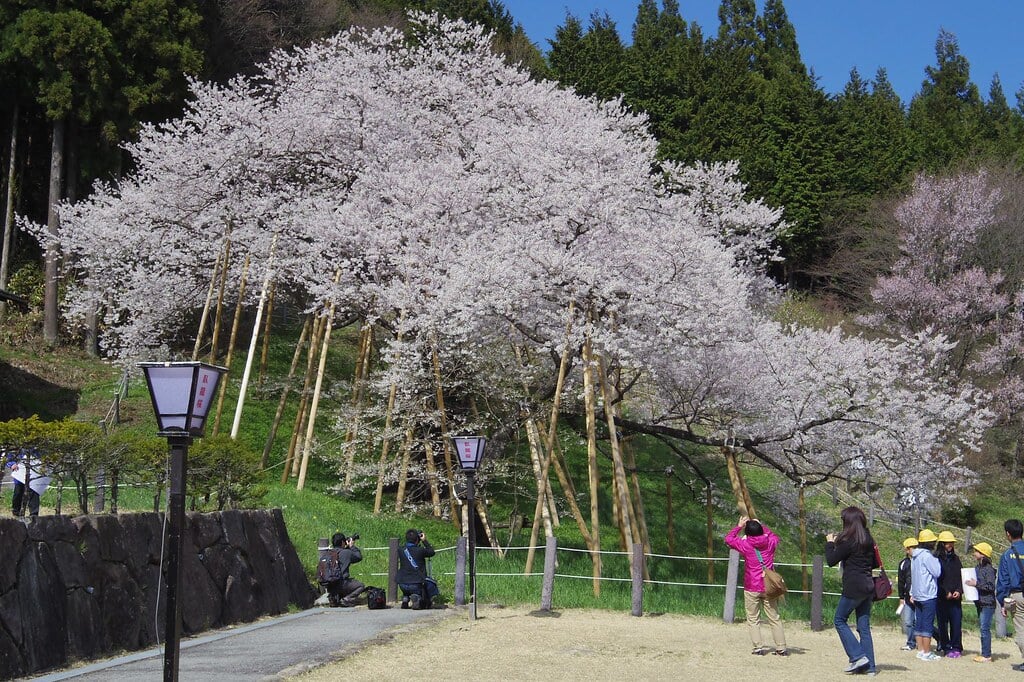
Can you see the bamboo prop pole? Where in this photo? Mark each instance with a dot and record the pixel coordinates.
(225, 266)
(485, 519)
(385, 446)
(205, 317)
(265, 350)
(556, 404)
(300, 414)
(739, 488)
(541, 511)
(709, 511)
(435, 493)
(445, 442)
(403, 474)
(362, 371)
(570, 492)
(639, 512)
(670, 512)
(306, 326)
(244, 387)
(235, 324)
(618, 468)
(803, 537)
(595, 522)
(307, 446)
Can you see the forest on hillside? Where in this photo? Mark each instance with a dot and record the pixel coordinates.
(620, 221)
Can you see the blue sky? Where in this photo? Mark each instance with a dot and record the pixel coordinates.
(836, 36)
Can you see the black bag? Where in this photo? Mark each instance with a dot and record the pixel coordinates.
(882, 584)
(329, 568)
(376, 598)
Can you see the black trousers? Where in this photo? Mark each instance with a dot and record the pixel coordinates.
(345, 589)
(18, 499)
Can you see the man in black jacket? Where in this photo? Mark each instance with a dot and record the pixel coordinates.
(906, 602)
(345, 591)
(418, 589)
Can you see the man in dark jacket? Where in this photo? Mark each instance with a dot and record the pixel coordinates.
(345, 591)
(949, 611)
(418, 590)
(906, 601)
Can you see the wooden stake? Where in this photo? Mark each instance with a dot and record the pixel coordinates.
(244, 387)
(225, 266)
(235, 324)
(206, 309)
(306, 326)
(595, 521)
(435, 493)
(307, 446)
(403, 474)
(361, 372)
(265, 352)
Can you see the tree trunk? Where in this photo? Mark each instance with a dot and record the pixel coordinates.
(265, 351)
(50, 302)
(435, 492)
(205, 317)
(5, 252)
(362, 371)
(403, 474)
(453, 498)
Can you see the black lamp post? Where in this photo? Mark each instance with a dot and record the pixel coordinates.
(181, 393)
(471, 451)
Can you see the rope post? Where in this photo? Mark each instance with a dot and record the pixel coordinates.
(817, 590)
(392, 570)
(460, 570)
(638, 579)
(1000, 621)
(547, 589)
(731, 580)
(967, 541)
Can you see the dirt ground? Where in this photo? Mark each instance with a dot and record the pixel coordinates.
(517, 644)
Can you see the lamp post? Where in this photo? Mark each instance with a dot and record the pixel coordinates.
(471, 451)
(181, 393)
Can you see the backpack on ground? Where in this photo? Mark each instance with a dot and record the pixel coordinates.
(329, 568)
(376, 598)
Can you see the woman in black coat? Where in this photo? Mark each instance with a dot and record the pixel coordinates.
(855, 548)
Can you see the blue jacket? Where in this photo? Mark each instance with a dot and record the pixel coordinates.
(924, 575)
(1009, 578)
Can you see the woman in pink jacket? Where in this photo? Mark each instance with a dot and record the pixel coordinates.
(758, 538)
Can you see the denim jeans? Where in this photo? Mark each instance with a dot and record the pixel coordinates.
(950, 616)
(924, 618)
(907, 616)
(985, 615)
(855, 649)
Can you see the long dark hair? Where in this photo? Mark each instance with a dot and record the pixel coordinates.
(855, 528)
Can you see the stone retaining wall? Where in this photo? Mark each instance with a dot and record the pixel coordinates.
(74, 588)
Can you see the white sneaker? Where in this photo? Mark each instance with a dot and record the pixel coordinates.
(857, 665)
(907, 647)
(930, 656)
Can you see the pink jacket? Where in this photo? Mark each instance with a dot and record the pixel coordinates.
(753, 581)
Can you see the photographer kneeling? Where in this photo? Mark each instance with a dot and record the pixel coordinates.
(418, 590)
(342, 589)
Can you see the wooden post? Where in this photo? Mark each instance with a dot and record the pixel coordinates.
(591, 420)
(265, 350)
(835, 494)
(268, 446)
(731, 582)
(670, 523)
(460, 570)
(392, 569)
(547, 589)
(709, 509)
(803, 539)
(638, 579)
(817, 590)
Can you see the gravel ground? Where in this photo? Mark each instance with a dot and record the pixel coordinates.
(519, 644)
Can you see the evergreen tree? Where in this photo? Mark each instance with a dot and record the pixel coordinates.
(1002, 128)
(946, 115)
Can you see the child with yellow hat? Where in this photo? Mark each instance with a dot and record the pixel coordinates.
(924, 575)
(949, 607)
(986, 601)
(906, 607)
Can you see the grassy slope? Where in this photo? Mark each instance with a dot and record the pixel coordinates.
(316, 512)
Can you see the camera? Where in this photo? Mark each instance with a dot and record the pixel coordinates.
(354, 537)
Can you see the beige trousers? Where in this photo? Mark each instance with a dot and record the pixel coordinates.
(1018, 620)
(754, 602)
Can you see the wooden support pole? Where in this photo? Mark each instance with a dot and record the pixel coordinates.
(709, 511)
(251, 356)
(453, 498)
(591, 420)
(225, 267)
(817, 591)
(461, 543)
(282, 401)
(803, 537)
(235, 324)
(637, 570)
(403, 473)
(548, 586)
(307, 446)
(731, 582)
(378, 497)
(205, 317)
(435, 492)
(362, 371)
(265, 350)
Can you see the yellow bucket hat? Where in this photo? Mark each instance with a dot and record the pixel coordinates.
(910, 542)
(984, 548)
(926, 535)
(946, 536)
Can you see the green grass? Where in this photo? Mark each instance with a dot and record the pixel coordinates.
(317, 512)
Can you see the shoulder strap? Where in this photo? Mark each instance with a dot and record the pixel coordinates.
(1016, 553)
(761, 558)
(878, 558)
(408, 556)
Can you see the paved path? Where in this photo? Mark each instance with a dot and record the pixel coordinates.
(270, 649)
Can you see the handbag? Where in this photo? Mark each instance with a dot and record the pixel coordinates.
(774, 583)
(882, 584)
